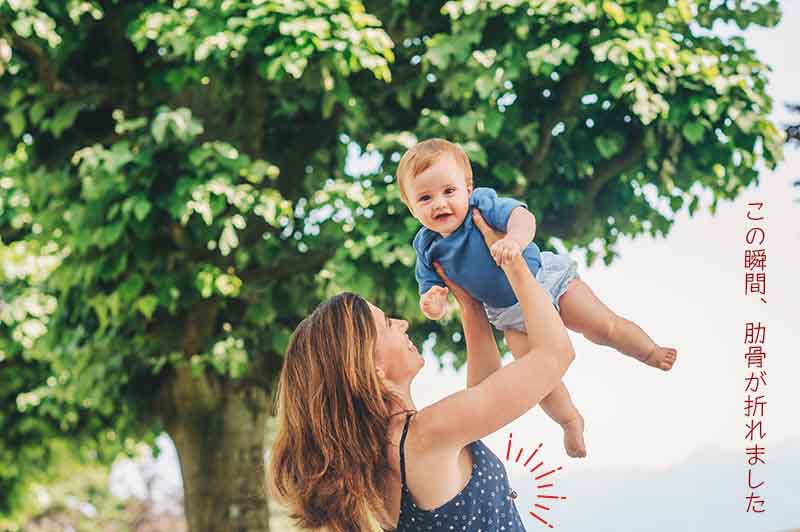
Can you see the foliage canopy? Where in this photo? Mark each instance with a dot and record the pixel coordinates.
(176, 191)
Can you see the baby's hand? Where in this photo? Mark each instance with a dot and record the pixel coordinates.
(434, 302)
(504, 250)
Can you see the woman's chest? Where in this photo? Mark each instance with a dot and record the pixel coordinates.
(432, 479)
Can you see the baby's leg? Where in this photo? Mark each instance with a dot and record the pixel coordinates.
(583, 312)
(558, 404)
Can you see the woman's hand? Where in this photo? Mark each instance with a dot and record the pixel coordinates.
(494, 241)
(489, 234)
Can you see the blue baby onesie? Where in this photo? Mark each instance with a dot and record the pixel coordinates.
(465, 257)
(485, 504)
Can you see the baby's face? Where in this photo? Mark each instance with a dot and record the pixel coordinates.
(439, 196)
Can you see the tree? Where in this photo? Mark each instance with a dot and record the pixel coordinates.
(183, 163)
(793, 130)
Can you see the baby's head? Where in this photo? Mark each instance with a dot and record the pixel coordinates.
(435, 180)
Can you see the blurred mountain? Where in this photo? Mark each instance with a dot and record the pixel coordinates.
(704, 492)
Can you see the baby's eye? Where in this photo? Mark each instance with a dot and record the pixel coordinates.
(424, 198)
(450, 190)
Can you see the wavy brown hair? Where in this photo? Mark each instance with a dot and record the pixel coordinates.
(329, 457)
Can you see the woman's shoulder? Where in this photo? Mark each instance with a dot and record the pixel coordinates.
(427, 432)
(419, 442)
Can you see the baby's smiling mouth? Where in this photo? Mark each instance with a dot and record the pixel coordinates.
(442, 216)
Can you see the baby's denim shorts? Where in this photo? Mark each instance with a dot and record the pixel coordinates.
(556, 273)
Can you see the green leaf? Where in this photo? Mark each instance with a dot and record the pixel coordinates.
(693, 131)
(16, 119)
(685, 10)
(205, 283)
(130, 289)
(328, 101)
(506, 173)
(119, 156)
(615, 11)
(159, 128)
(262, 311)
(280, 340)
(13, 97)
(616, 87)
(493, 122)
(114, 265)
(65, 117)
(141, 209)
(484, 85)
(37, 111)
(476, 153)
(98, 303)
(108, 235)
(146, 305)
(228, 285)
(609, 145)
(693, 205)
(404, 98)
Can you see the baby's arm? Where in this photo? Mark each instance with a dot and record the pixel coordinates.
(520, 231)
(433, 303)
(521, 226)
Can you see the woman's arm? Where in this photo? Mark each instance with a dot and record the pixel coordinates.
(512, 390)
(483, 358)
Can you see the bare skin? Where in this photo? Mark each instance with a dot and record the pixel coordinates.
(583, 312)
(558, 405)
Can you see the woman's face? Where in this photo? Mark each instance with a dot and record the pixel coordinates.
(394, 352)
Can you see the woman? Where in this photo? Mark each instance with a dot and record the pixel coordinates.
(351, 447)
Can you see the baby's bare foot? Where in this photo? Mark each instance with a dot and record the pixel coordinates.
(661, 357)
(573, 437)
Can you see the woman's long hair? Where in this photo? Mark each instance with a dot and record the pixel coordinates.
(329, 457)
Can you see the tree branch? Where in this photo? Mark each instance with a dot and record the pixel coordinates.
(48, 75)
(632, 154)
(10, 234)
(315, 132)
(253, 112)
(568, 92)
(305, 263)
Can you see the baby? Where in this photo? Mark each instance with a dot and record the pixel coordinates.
(435, 181)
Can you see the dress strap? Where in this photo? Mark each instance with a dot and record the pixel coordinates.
(402, 453)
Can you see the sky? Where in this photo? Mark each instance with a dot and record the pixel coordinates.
(666, 450)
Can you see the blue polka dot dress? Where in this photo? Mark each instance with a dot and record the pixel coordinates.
(486, 503)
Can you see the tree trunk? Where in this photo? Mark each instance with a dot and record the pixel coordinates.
(219, 430)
